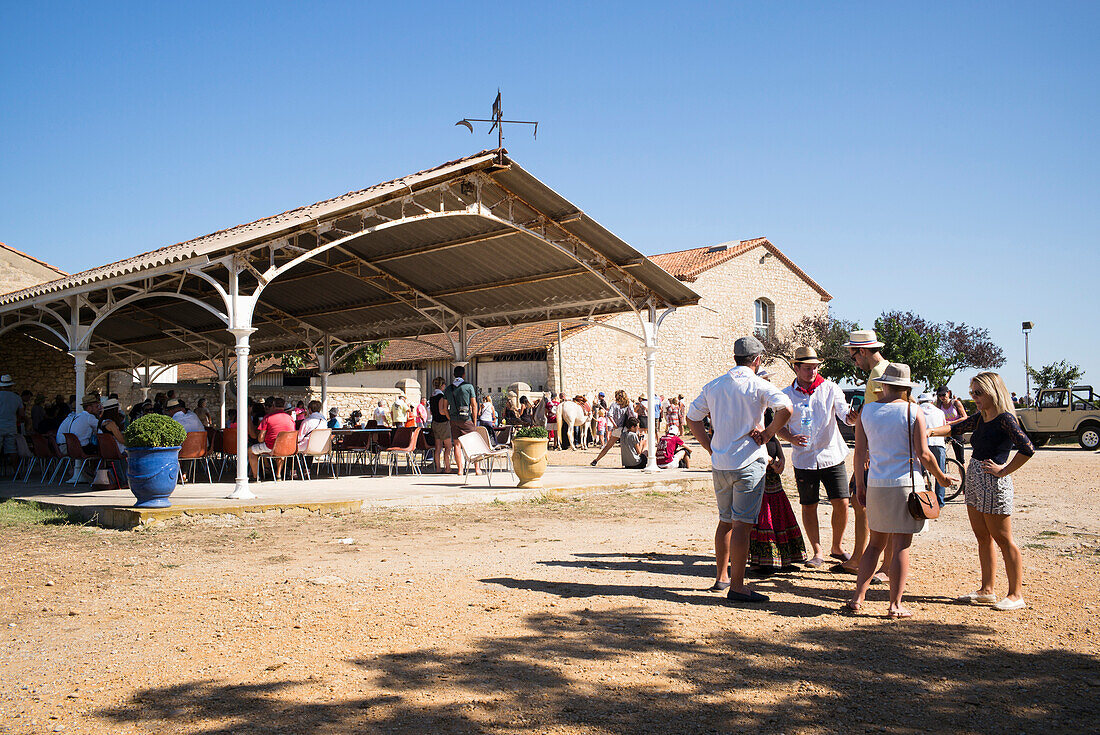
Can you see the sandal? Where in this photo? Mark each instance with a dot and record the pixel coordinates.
(850, 608)
(880, 578)
(898, 614)
(842, 556)
(977, 598)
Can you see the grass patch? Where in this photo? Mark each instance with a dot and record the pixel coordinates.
(1036, 546)
(17, 513)
(547, 497)
(1048, 534)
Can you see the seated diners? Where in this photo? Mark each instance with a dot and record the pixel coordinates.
(110, 422)
(989, 490)
(891, 433)
(314, 420)
(271, 425)
(177, 409)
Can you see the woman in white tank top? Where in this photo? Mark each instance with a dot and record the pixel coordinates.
(891, 434)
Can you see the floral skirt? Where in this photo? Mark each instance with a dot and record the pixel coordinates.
(777, 539)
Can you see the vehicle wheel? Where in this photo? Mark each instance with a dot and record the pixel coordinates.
(953, 468)
(1088, 436)
(1039, 440)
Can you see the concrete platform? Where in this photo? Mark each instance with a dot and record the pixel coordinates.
(114, 508)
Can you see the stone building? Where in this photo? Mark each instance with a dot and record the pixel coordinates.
(747, 286)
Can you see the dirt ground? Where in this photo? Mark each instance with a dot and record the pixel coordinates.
(573, 615)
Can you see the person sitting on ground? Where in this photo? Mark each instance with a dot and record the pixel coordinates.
(314, 420)
(334, 421)
(671, 450)
(202, 413)
(110, 422)
(632, 446)
(274, 423)
(177, 409)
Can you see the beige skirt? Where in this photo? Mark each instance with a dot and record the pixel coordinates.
(888, 511)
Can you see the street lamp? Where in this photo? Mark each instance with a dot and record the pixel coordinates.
(1027, 326)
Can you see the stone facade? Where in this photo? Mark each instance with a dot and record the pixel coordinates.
(695, 344)
(19, 270)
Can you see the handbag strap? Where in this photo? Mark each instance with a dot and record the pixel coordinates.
(909, 442)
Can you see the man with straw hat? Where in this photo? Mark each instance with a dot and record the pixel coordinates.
(818, 450)
(11, 415)
(735, 403)
(84, 425)
(863, 347)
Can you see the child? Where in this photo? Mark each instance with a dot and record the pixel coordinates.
(775, 544)
(671, 450)
(601, 426)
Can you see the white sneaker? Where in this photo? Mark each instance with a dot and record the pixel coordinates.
(1007, 604)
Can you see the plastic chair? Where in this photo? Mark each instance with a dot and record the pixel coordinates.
(26, 458)
(286, 447)
(425, 448)
(477, 451)
(403, 442)
(41, 449)
(63, 462)
(228, 445)
(77, 454)
(111, 455)
(503, 436)
(193, 450)
(319, 446)
(484, 433)
(357, 446)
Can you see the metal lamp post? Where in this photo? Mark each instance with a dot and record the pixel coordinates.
(1027, 327)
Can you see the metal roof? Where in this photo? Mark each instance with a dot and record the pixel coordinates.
(478, 238)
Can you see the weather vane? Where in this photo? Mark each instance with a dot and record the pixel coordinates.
(498, 122)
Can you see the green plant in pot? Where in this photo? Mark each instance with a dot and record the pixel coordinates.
(152, 452)
(529, 455)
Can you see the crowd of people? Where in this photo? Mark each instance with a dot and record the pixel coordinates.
(898, 441)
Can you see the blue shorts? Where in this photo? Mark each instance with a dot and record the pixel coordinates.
(740, 492)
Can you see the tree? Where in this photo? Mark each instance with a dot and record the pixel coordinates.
(1059, 374)
(935, 352)
(826, 335)
(347, 358)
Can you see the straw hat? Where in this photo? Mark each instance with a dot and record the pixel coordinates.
(806, 355)
(89, 399)
(172, 404)
(863, 338)
(897, 375)
(110, 403)
(925, 398)
(6, 381)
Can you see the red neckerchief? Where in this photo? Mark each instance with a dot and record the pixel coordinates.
(817, 381)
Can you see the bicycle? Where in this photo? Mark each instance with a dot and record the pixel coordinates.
(953, 468)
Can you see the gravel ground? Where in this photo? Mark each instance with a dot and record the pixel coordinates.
(575, 615)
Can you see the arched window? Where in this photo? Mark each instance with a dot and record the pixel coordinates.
(764, 318)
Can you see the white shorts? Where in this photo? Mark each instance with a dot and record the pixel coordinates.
(616, 432)
(260, 448)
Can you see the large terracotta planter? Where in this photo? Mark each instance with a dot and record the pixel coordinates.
(529, 460)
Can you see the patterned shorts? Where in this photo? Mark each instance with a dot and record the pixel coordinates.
(986, 493)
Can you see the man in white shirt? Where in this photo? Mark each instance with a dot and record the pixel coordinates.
(735, 403)
(381, 415)
(934, 417)
(189, 421)
(818, 457)
(83, 424)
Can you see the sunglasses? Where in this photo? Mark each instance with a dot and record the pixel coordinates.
(977, 393)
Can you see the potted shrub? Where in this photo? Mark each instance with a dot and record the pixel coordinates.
(529, 455)
(152, 452)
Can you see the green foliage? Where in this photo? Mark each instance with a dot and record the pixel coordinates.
(825, 334)
(153, 430)
(19, 513)
(1061, 374)
(353, 358)
(935, 352)
(533, 432)
(293, 361)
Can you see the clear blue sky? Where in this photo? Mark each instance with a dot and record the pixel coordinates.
(939, 157)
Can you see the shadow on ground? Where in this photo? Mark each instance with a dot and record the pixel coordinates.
(565, 673)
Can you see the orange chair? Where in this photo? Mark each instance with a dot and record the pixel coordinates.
(286, 447)
(62, 461)
(193, 451)
(77, 454)
(228, 447)
(41, 450)
(110, 454)
(403, 442)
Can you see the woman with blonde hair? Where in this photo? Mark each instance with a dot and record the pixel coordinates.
(989, 490)
(891, 436)
(617, 414)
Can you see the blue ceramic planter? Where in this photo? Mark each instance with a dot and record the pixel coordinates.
(153, 472)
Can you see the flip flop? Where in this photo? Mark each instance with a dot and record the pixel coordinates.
(899, 615)
(844, 556)
(750, 596)
(879, 578)
(719, 587)
(849, 609)
(841, 569)
(817, 562)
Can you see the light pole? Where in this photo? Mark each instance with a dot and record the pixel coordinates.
(1027, 326)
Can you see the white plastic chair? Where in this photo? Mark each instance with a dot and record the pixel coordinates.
(477, 451)
(319, 446)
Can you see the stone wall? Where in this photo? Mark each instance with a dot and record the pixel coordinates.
(695, 344)
(36, 366)
(17, 271)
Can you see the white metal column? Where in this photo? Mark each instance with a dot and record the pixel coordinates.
(240, 489)
(80, 364)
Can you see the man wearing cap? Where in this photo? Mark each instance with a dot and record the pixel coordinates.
(818, 457)
(863, 347)
(11, 415)
(735, 403)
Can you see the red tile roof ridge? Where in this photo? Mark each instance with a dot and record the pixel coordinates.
(31, 257)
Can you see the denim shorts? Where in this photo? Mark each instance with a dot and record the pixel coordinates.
(740, 492)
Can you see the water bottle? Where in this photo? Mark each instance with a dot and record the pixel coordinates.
(807, 420)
